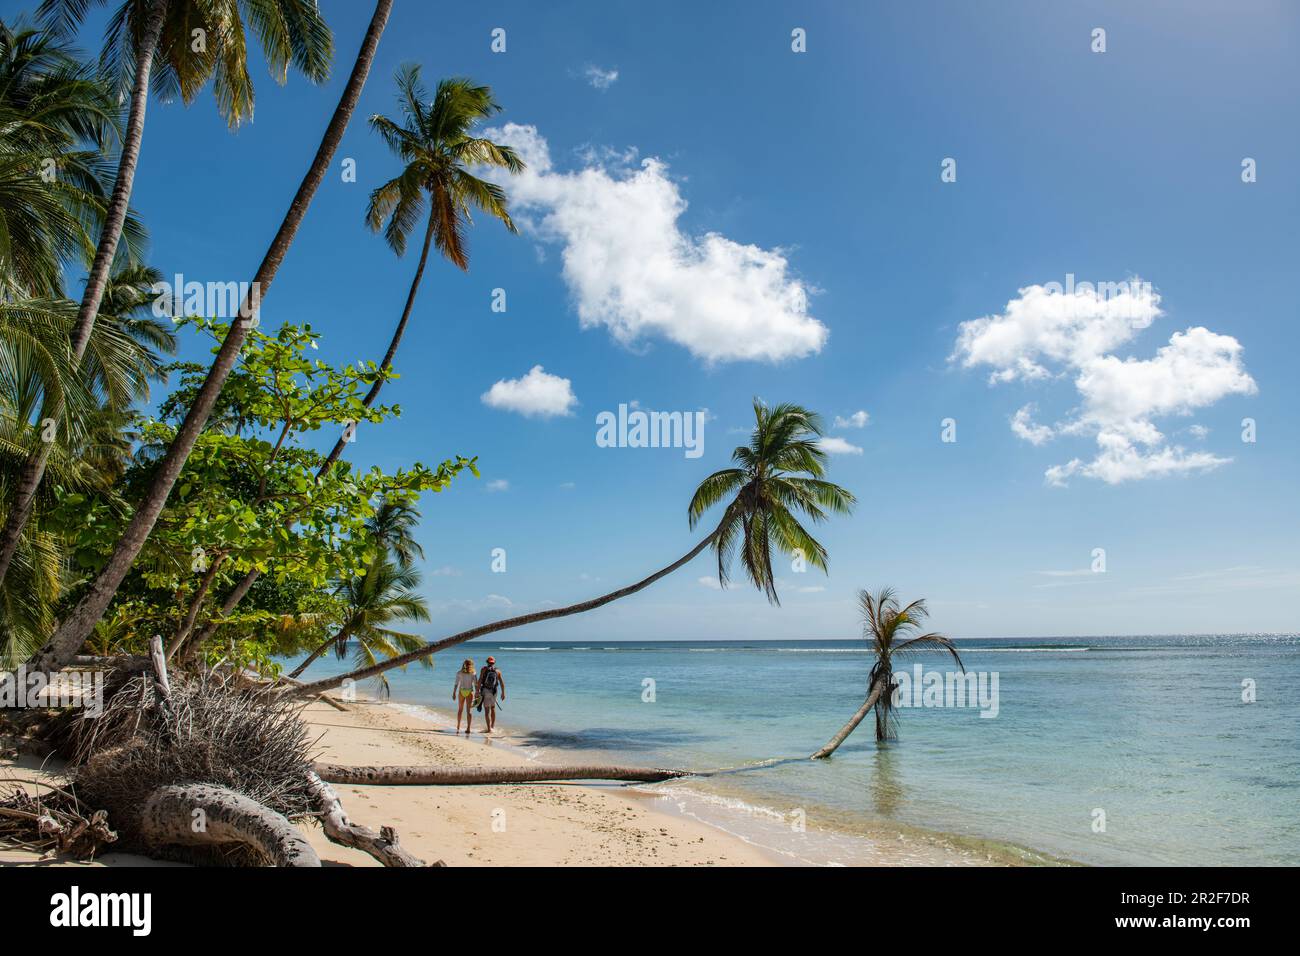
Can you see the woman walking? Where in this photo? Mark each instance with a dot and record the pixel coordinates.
(463, 694)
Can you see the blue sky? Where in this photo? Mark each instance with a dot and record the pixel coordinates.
(819, 173)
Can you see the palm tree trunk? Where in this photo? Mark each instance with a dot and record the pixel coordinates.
(20, 511)
(304, 690)
(848, 728)
(240, 590)
(483, 776)
(387, 363)
(76, 627)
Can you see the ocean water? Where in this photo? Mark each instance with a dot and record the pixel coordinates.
(1109, 751)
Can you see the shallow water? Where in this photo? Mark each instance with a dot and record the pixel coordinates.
(1148, 736)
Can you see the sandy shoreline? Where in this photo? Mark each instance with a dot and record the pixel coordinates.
(511, 825)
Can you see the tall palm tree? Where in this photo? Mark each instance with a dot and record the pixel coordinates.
(121, 358)
(436, 142)
(57, 121)
(89, 453)
(141, 32)
(387, 592)
(780, 473)
(80, 621)
(887, 627)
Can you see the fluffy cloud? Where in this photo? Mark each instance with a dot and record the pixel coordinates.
(1045, 323)
(1121, 399)
(632, 270)
(1022, 424)
(858, 419)
(837, 446)
(600, 79)
(537, 394)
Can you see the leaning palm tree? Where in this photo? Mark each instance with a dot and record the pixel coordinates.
(437, 144)
(80, 620)
(779, 474)
(143, 34)
(385, 593)
(887, 627)
(436, 141)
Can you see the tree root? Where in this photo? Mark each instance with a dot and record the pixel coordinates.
(478, 776)
(206, 816)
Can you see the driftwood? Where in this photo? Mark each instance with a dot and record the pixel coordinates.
(202, 815)
(339, 829)
(54, 823)
(472, 776)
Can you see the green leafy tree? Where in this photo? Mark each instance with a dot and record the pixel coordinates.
(252, 495)
(79, 621)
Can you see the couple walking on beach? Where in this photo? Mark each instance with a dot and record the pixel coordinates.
(479, 692)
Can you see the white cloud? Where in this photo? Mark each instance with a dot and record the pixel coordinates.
(1121, 399)
(600, 79)
(1199, 431)
(446, 571)
(833, 445)
(498, 484)
(536, 394)
(632, 269)
(1047, 324)
(858, 419)
(1022, 424)
(710, 582)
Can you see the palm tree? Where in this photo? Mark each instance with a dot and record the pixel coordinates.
(887, 626)
(80, 621)
(780, 473)
(392, 528)
(384, 594)
(436, 143)
(121, 358)
(57, 121)
(291, 32)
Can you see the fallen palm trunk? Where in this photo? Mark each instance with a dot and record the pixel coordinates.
(206, 816)
(478, 776)
(339, 829)
(833, 744)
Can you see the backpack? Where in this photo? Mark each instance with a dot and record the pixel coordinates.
(488, 681)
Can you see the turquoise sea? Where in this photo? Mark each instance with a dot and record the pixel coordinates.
(1148, 736)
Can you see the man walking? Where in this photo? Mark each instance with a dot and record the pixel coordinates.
(491, 685)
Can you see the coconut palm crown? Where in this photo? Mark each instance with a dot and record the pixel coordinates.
(779, 474)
